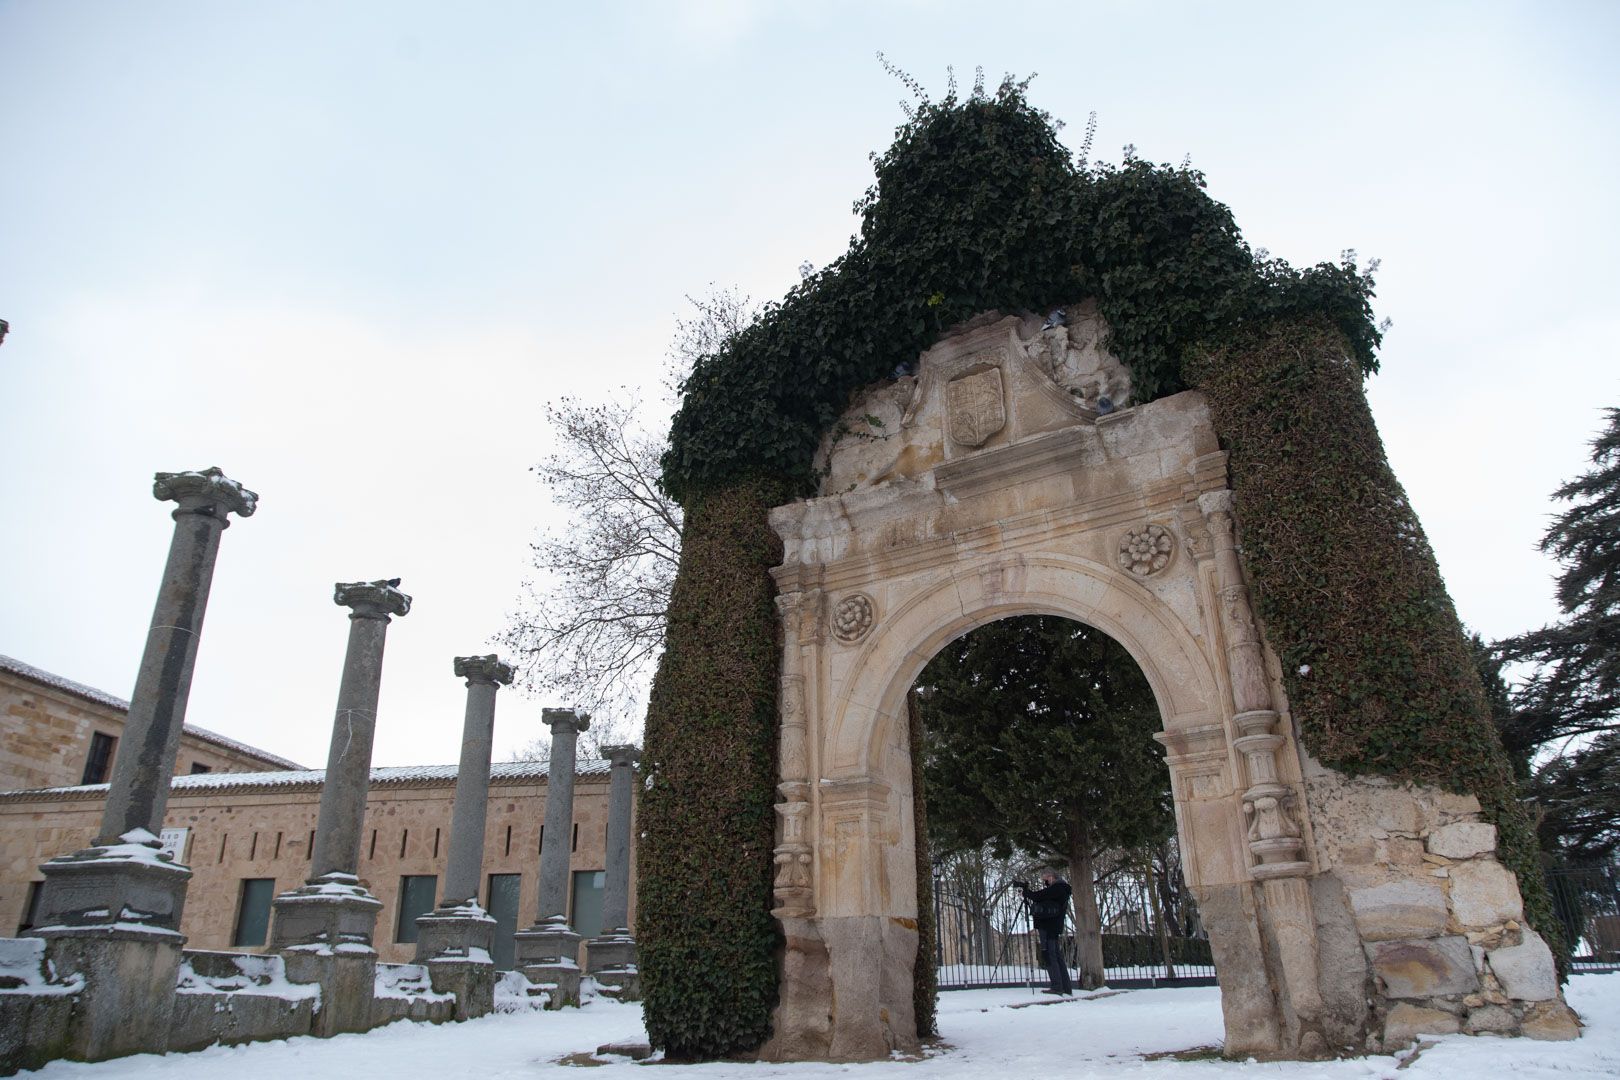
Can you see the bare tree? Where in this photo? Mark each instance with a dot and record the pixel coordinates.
(589, 625)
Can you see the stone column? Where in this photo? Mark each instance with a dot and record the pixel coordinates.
(1270, 805)
(548, 951)
(455, 940)
(325, 928)
(111, 912)
(611, 956)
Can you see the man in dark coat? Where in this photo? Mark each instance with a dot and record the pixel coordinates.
(1048, 905)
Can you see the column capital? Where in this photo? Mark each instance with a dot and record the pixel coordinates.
(483, 669)
(1217, 502)
(207, 492)
(565, 721)
(372, 599)
(628, 754)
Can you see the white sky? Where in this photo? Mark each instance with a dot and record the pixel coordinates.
(347, 251)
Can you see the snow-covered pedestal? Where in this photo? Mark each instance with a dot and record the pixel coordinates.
(323, 931)
(546, 954)
(454, 944)
(111, 917)
(611, 961)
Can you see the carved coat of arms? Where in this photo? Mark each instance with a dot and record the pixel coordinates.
(975, 407)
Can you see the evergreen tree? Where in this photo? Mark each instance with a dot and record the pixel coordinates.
(1038, 737)
(1573, 696)
(1576, 687)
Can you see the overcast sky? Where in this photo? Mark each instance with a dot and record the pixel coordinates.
(348, 251)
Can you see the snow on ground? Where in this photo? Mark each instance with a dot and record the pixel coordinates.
(987, 1036)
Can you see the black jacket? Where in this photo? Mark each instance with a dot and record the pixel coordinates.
(1049, 905)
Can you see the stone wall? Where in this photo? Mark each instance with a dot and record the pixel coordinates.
(1440, 943)
(46, 723)
(243, 829)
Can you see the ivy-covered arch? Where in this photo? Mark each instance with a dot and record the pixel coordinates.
(977, 207)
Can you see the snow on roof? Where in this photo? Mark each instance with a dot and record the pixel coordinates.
(101, 697)
(384, 776)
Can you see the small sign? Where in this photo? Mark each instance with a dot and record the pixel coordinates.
(174, 843)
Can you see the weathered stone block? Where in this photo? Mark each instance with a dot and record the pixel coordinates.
(1491, 1020)
(1552, 1021)
(1526, 971)
(1398, 909)
(1484, 893)
(1463, 839)
(1406, 1022)
(1426, 967)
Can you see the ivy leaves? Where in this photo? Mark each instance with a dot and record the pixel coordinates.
(975, 207)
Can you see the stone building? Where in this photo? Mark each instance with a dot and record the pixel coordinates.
(244, 821)
(55, 732)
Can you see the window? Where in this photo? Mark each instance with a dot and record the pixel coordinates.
(198, 767)
(31, 911)
(416, 893)
(504, 890)
(99, 763)
(253, 912)
(587, 920)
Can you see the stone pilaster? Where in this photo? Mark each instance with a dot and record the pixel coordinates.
(1270, 804)
(325, 929)
(455, 940)
(611, 956)
(548, 952)
(111, 912)
(794, 886)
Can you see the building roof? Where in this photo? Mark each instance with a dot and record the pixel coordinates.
(101, 697)
(312, 779)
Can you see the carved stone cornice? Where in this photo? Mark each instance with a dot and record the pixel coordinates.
(372, 599)
(483, 669)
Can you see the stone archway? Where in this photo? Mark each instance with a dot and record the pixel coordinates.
(994, 482)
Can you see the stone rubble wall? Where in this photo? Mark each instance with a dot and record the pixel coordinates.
(1443, 944)
(220, 998)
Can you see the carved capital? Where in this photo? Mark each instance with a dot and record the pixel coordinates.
(1211, 503)
(483, 669)
(565, 721)
(371, 599)
(208, 492)
(622, 756)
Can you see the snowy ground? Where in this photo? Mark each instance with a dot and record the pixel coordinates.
(986, 1032)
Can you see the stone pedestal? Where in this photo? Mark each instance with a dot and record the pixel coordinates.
(111, 916)
(611, 961)
(546, 954)
(324, 932)
(454, 944)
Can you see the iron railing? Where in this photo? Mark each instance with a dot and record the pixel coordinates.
(1587, 903)
(987, 940)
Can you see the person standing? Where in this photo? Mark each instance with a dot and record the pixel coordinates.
(1048, 905)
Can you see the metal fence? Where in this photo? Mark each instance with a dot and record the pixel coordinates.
(1150, 936)
(1587, 903)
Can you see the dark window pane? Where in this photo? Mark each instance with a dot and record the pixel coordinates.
(199, 767)
(31, 912)
(416, 892)
(99, 763)
(253, 913)
(503, 907)
(588, 902)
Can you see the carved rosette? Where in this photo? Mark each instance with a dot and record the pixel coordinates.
(1146, 550)
(1269, 804)
(853, 617)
